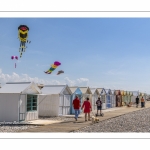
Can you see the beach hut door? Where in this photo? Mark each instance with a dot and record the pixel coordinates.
(94, 99)
(22, 107)
(64, 105)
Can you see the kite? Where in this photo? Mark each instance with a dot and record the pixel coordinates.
(13, 58)
(23, 37)
(60, 71)
(53, 67)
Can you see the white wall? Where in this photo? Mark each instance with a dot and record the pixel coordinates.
(48, 105)
(133, 99)
(9, 107)
(33, 115)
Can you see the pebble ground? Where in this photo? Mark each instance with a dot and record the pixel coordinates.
(138, 121)
(10, 127)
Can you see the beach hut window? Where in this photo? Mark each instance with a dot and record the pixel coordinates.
(31, 102)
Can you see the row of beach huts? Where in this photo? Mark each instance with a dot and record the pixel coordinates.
(24, 101)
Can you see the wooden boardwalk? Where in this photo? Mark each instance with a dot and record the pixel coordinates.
(69, 126)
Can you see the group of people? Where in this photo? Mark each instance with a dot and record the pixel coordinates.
(86, 106)
(142, 102)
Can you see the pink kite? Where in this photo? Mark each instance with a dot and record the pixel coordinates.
(13, 58)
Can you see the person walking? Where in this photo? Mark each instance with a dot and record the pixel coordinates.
(142, 102)
(76, 106)
(99, 105)
(137, 101)
(87, 108)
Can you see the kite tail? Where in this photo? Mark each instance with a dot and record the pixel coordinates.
(28, 41)
(15, 65)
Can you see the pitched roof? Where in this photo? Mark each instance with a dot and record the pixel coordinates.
(85, 90)
(101, 90)
(55, 89)
(108, 91)
(93, 90)
(118, 92)
(19, 87)
(112, 91)
(73, 88)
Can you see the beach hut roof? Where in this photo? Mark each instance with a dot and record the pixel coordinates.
(20, 87)
(73, 88)
(108, 91)
(101, 90)
(93, 90)
(85, 90)
(40, 85)
(55, 89)
(118, 92)
(112, 91)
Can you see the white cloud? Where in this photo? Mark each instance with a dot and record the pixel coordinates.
(24, 78)
(55, 82)
(14, 77)
(77, 82)
(69, 82)
(83, 81)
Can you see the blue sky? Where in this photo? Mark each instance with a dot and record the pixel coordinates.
(99, 52)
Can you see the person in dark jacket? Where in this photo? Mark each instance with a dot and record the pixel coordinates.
(99, 105)
(137, 101)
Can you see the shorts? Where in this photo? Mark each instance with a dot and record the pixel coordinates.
(99, 107)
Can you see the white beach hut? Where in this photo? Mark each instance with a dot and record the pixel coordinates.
(95, 95)
(55, 100)
(18, 101)
(134, 95)
(113, 98)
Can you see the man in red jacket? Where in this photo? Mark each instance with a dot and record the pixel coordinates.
(76, 105)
